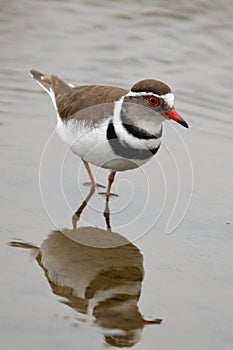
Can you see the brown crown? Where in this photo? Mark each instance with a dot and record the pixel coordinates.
(151, 85)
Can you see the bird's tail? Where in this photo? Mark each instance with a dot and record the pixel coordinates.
(41, 79)
(52, 85)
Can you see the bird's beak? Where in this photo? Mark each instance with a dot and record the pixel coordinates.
(172, 114)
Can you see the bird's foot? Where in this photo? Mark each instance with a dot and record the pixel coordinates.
(90, 184)
(110, 195)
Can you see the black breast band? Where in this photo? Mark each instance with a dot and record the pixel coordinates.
(121, 148)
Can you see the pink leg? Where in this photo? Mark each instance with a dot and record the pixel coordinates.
(110, 181)
(93, 183)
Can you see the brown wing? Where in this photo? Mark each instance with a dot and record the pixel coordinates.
(91, 102)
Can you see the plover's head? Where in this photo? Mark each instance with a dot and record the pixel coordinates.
(156, 95)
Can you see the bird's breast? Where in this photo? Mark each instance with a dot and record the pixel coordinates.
(98, 144)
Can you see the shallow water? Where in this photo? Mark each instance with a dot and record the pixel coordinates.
(177, 269)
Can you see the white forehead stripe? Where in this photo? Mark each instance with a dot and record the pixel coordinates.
(168, 98)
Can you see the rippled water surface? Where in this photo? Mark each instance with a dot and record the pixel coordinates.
(164, 278)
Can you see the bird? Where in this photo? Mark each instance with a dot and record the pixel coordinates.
(108, 126)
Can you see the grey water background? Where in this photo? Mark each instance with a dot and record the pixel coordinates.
(188, 274)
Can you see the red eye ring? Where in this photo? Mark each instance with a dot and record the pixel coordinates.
(153, 101)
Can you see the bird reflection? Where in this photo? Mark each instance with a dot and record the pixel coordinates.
(99, 274)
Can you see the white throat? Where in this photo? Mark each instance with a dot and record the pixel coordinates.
(146, 123)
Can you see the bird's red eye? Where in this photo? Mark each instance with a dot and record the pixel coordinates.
(153, 101)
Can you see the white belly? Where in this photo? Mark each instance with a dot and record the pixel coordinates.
(92, 145)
